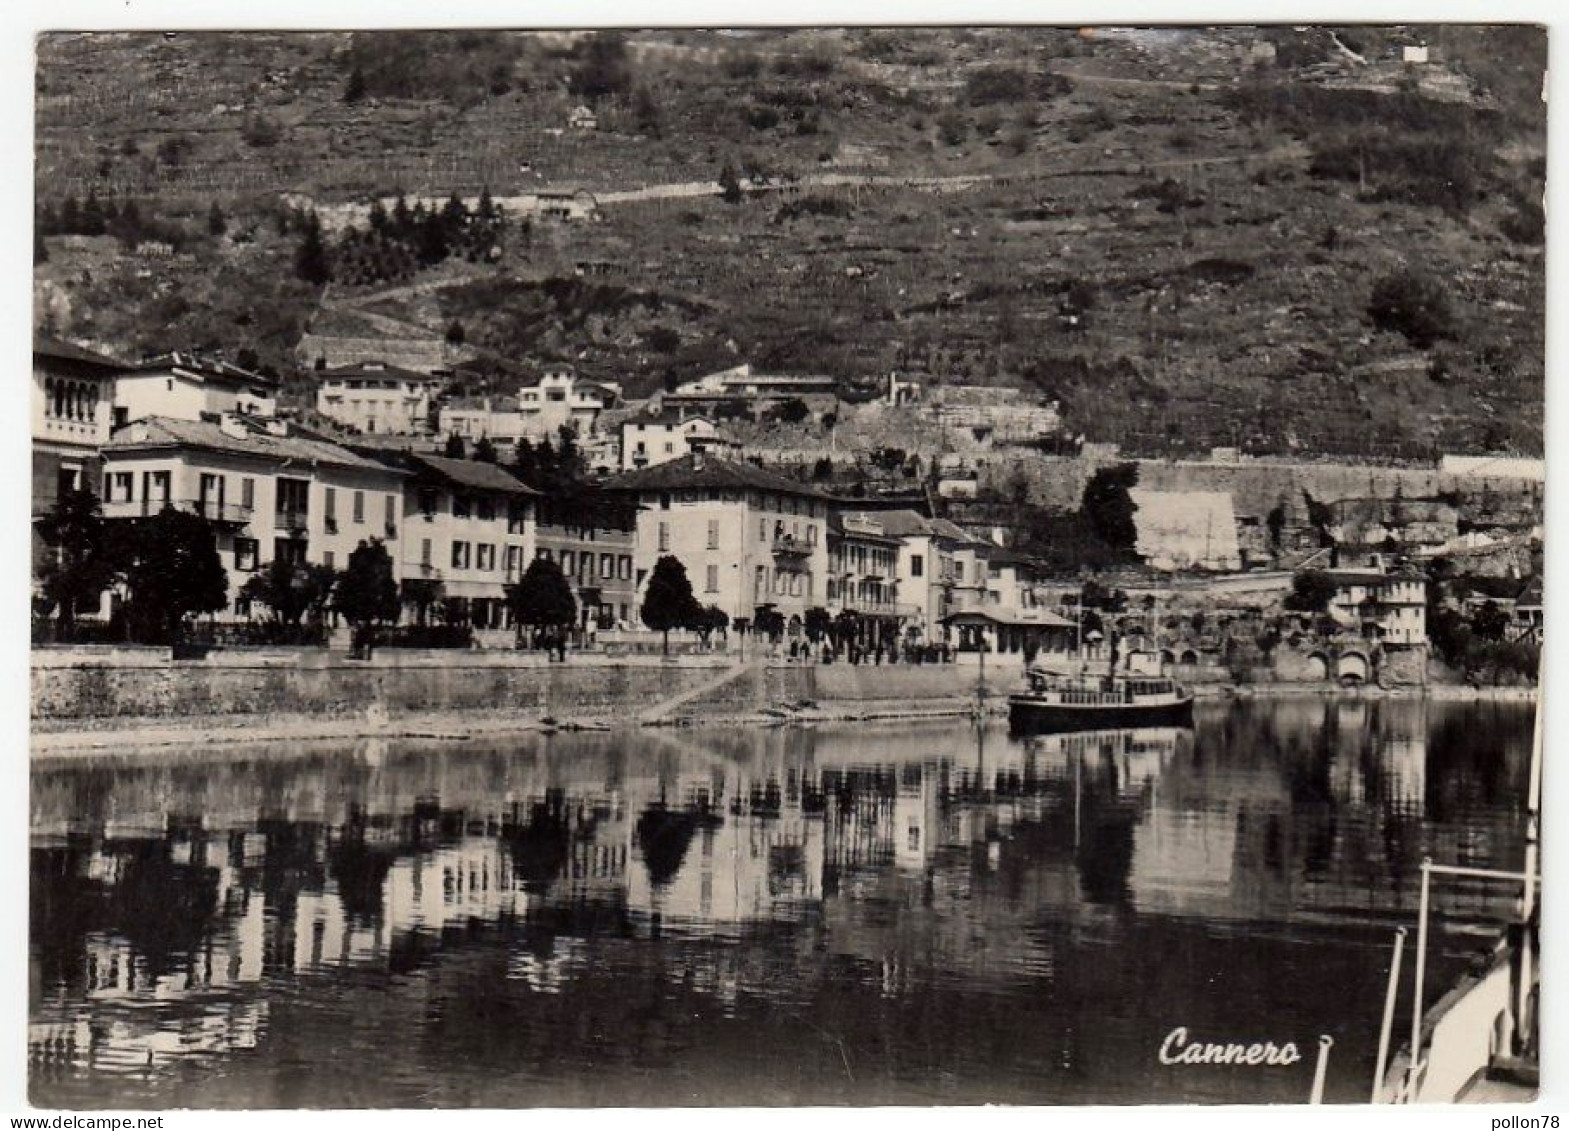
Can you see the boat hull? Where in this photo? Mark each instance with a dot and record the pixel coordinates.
(1028, 715)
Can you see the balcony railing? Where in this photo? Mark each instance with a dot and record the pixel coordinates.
(794, 547)
(230, 513)
(875, 608)
(291, 519)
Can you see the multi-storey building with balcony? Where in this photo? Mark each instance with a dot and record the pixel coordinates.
(938, 570)
(467, 533)
(269, 491)
(1390, 608)
(73, 413)
(750, 539)
(863, 579)
(592, 535)
(377, 398)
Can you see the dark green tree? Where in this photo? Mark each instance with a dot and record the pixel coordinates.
(454, 448)
(668, 601)
(485, 450)
(79, 567)
(311, 261)
(1311, 592)
(170, 568)
(543, 601)
(729, 185)
(291, 590)
(216, 223)
(525, 464)
(455, 333)
(355, 90)
(366, 594)
(1109, 508)
(1489, 621)
(710, 619)
(818, 623)
(602, 67)
(1413, 304)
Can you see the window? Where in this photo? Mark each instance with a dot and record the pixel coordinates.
(460, 555)
(290, 550)
(429, 501)
(293, 499)
(514, 559)
(542, 554)
(626, 567)
(917, 564)
(155, 488)
(332, 504)
(762, 530)
(585, 566)
(713, 534)
(247, 493)
(607, 566)
(327, 558)
(664, 537)
(424, 551)
(713, 579)
(359, 507)
(487, 509)
(664, 501)
(485, 556)
(669, 448)
(811, 534)
(461, 506)
(568, 560)
(245, 551)
(121, 488)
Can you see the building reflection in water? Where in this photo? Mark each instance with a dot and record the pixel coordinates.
(160, 937)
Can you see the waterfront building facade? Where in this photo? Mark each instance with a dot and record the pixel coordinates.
(749, 539)
(593, 537)
(72, 417)
(268, 491)
(863, 579)
(467, 533)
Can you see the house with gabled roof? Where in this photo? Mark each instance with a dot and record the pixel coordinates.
(750, 539)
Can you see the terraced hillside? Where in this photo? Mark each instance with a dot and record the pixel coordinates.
(1178, 234)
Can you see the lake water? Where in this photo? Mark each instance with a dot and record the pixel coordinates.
(844, 914)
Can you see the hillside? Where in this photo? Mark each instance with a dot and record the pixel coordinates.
(1178, 234)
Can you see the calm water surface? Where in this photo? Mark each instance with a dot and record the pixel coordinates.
(855, 914)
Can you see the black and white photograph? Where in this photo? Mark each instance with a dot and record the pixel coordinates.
(695, 567)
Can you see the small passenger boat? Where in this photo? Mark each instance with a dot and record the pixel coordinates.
(1052, 703)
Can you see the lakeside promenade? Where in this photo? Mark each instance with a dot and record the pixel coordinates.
(94, 699)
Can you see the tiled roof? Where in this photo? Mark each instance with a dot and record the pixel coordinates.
(377, 369)
(45, 346)
(709, 471)
(205, 365)
(162, 431)
(475, 474)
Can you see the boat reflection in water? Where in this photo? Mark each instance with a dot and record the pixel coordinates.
(858, 913)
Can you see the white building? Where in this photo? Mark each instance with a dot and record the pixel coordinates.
(269, 491)
(648, 441)
(748, 538)
(1387, 607)
(375, 398)
(72, 414)
(559, 399)
(185, 386)
(468, 531)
